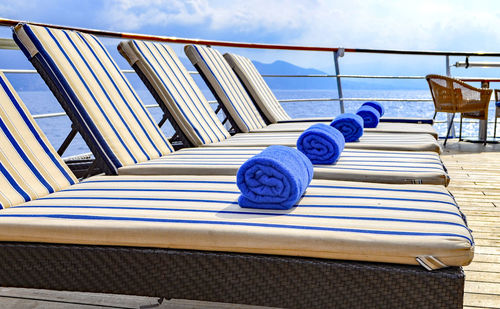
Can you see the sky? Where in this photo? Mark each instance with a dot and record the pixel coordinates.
(391, 24)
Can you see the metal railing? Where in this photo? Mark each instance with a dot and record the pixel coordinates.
(337, 52)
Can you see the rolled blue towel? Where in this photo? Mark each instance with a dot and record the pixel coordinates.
(321, 143)
(376, 105)
(276, 178)
(370, 116)
(350, 125)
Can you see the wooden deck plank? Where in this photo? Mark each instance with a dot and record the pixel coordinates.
(475, 177)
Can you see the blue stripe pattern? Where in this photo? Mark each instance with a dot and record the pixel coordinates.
(137, 138)
(131, 90)
(221, 130)
(242, 104)
(88, 89)
(236, 223)
(25, 158)
(66, 91)
(13, 183)
(126, 103)
(34, 131)
(392, 189)
(255, 213)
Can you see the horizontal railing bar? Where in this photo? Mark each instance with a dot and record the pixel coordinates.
(6, 43)
(469, 79)
(54, 115)
(356, 99)
(21, 71)
(51, 115)
(124, 35)
(345, 76)
(459, 64)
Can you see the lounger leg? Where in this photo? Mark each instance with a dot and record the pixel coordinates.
(495, 128)
(163, 119)
(460, 134)
(449, 129)
(486, 135)
(434, 117)
(67, 141)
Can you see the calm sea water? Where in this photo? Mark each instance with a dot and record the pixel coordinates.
(56, 129)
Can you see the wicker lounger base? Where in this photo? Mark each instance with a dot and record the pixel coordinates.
(229, 277)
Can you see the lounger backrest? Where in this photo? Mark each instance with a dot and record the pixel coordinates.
(228, 89)
(30, 167)
(95, 94)
(176, 89)
(257, 87)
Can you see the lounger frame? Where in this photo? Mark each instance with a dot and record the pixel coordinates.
(233, 126)
(179, 140)
(277, 281)
(98, 162)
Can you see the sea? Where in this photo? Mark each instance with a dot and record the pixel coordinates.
(56, 129)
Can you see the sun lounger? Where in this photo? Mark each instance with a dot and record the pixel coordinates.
(274, 113)
(179, 96)
(99, 100)
(228, 89)
(186, 237)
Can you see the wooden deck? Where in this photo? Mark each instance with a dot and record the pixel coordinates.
(475, 182)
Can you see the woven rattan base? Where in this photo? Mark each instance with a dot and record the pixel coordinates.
(228, 277)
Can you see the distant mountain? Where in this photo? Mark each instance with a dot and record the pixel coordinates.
(330, 83)
(286, 68)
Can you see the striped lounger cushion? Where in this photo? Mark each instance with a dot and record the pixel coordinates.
(233, 95)
(177, 90)
(373, 141)
(257, 88)
(382, 127)
(30, 167)
(403, 224)
(116, 125)
(353, 165)
(274, 112)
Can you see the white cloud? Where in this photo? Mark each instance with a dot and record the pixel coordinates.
(424, 24)
(366, 23)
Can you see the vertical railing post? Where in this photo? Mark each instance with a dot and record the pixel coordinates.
(336, 55)
(449, 116)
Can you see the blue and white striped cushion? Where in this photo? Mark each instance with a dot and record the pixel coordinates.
(30, 167)
(257, 87)
(94, 89)
(353, 165)
(334, 220)
(227, 86)
(373, 141)
(176, 89)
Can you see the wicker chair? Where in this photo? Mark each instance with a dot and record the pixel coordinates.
(451, 95)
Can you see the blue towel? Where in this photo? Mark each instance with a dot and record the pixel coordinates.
(370, 116)
(321, 143)
(497, 103)
(276, 178)
(350, 125)
(376, 105)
